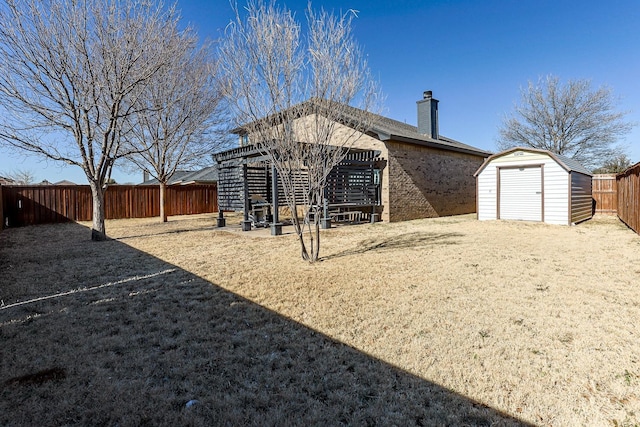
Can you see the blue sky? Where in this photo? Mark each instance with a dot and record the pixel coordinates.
(474, 56)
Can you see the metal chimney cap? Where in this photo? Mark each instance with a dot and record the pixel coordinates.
(427, 94)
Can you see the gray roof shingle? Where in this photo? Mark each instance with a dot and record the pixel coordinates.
(573, 165)
(383, 127)
(388, 129)
(208, 174)
(393, 128)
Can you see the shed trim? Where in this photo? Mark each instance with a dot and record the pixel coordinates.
(542, 190)
(570, 196)
(559, 159)
(477, 198)
(499, 190)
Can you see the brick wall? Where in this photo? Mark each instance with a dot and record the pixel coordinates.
(426, 182)
(417, 182)
(364, 142)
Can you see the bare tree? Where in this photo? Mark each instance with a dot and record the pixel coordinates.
(22, 177)
(614, 165)
(570, 119)
(178, 116)
(70, 76)
(293, 95)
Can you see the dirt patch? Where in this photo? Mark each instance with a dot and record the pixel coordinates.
(494, 322)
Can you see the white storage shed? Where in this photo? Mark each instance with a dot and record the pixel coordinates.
(533, 185)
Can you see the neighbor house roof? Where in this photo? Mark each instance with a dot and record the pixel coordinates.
(384, 128)
(205, 175)
(568, 164)
(6, 181)
(208, 174)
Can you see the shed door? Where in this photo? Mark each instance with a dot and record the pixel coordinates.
(521, 193)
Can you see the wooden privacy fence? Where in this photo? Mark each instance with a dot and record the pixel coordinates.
(1, 211)
(628, 183)
(605, 193)
(30, 205)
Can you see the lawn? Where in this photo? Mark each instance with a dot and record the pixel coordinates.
(445, 321)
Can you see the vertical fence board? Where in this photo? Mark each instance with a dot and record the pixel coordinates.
(628, 183)
(605, 193)
(1, 211)
(29, 205)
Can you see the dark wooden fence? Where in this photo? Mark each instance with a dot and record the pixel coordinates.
(628, 184)
(30, 205)
(605, 193)
(1, 211)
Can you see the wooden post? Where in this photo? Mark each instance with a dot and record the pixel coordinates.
(326, 220)
(276, 225)
(221, 221)
(246, 223)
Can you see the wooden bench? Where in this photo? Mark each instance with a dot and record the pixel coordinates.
(347, 216)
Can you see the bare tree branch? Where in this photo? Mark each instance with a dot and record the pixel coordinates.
(70, 76)
(570, 119)
(294, 97)
(178, 118)
(615, 165)
(21, 177)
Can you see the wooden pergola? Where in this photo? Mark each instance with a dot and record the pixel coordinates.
(248, 180)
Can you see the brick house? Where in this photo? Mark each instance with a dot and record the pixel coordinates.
(427, 174)
(421, 174)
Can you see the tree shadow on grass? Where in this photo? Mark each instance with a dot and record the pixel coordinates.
(158, 345)
(401, 241)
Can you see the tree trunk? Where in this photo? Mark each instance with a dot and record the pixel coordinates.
(98, 232)
(163, 201)
(316, 253)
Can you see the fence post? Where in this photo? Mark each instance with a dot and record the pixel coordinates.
(52, 203)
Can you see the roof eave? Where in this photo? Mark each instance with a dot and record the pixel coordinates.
(382, 136)
(435, 144)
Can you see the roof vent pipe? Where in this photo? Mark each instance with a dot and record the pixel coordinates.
(428, 115)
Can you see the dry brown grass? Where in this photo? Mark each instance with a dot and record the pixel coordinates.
(433, 322)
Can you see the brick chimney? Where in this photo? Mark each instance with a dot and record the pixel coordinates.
(428, 115)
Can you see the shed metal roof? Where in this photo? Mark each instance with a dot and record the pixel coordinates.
(568, 164)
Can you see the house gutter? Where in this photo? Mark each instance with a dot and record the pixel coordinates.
(430, 144)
